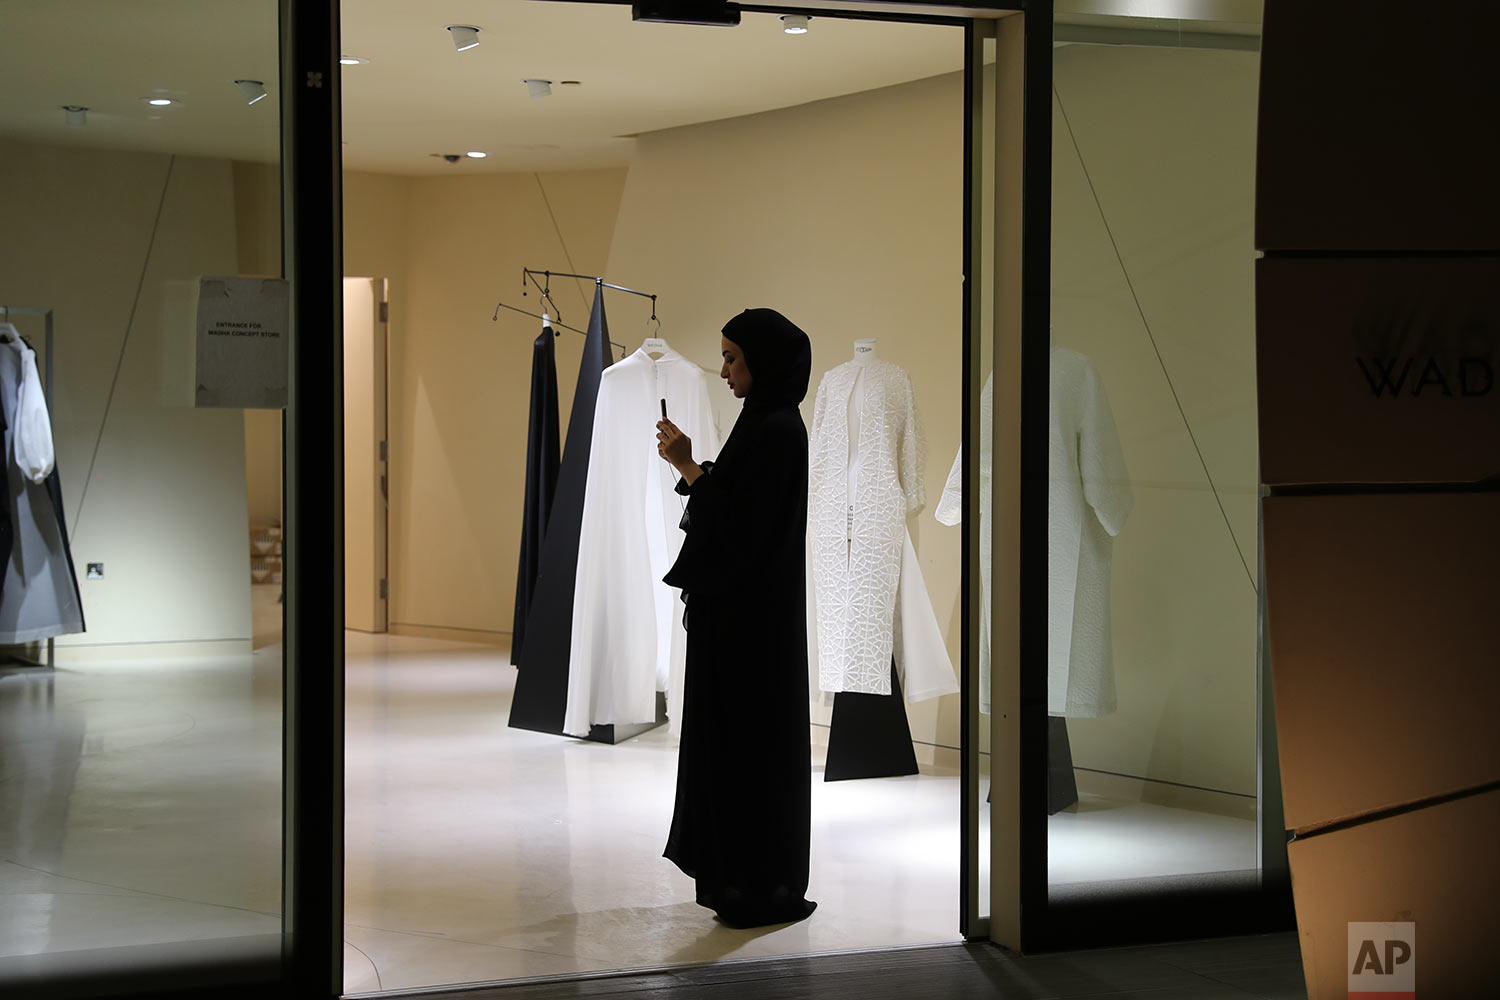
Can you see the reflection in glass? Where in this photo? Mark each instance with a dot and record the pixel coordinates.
(1152, 593)
(140, 758)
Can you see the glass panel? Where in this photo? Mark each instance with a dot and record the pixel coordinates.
(1153, 579)
(140, 757)
(981, 416)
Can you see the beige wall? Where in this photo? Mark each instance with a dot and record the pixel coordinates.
(1168, 139)
(165, 508)
(862, 238)
(461, 383)
(847, 216)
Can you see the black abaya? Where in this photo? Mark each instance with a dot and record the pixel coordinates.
(742, 818)
(542, 460)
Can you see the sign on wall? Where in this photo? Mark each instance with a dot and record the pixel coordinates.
(242, 342)
(1378, 369)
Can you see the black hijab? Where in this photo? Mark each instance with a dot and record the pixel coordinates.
(778, 355)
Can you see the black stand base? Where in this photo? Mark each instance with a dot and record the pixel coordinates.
(869, 736)
(1062, 788)
(613, 734)
(540, 698)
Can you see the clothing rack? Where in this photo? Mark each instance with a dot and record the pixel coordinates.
(545, 288)
(6, 312)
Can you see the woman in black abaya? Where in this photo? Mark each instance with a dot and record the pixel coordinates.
(741, 822)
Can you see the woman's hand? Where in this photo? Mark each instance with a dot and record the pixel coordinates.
(675, 446)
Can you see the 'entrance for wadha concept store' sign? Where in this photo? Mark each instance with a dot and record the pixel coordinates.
(1382, 961)
(241, 356)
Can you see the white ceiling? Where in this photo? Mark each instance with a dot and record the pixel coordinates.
(418, 95)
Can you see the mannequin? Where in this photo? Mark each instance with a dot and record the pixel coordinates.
(864, 357)
(865, 479)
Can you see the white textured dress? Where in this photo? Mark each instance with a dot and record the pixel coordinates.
(868, 601)
(627, 639)
(1090, 498)
(950, 510)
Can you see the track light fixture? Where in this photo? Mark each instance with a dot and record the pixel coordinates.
(538, 88)
(251, 90)
(465, 36)
(75, 115)
(794, 24)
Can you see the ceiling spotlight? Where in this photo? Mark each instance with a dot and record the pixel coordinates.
(794, 24)
(251, 90)
(475, 154)
(352, 60)
(465, 36)
(75, 115)
(538, 88)
(159, 102)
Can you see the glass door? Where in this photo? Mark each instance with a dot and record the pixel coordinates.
(141, 730)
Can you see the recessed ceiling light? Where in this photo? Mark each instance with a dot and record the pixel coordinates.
(794, 24)
(159, 102)
(571, 83)
(465, 36)
(475, 154)
(352, 60)
(251, 90)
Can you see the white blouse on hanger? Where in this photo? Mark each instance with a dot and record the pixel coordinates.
(628, 640)
(32, 435)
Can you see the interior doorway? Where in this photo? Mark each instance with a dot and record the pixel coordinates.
(366, 455)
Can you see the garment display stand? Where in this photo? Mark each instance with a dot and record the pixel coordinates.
(869, 736)
(540, 700)
(46, 315)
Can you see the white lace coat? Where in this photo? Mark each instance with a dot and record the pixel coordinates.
(860, 555)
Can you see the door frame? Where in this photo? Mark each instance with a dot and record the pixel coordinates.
(313, 648)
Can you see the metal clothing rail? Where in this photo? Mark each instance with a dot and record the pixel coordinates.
(6, 312)
(550, 321)
(545, 288)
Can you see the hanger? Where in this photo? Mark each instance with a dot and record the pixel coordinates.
(654, 344)
(555, 322)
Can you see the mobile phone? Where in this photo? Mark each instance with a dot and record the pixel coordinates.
(664, 409)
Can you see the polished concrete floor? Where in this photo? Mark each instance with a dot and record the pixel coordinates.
(1263, 967)
(140, 804)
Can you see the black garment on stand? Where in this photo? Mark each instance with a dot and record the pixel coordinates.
(541, 695)
(742, 819)
(1062, 787)
(869, 736)
(542, 448)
